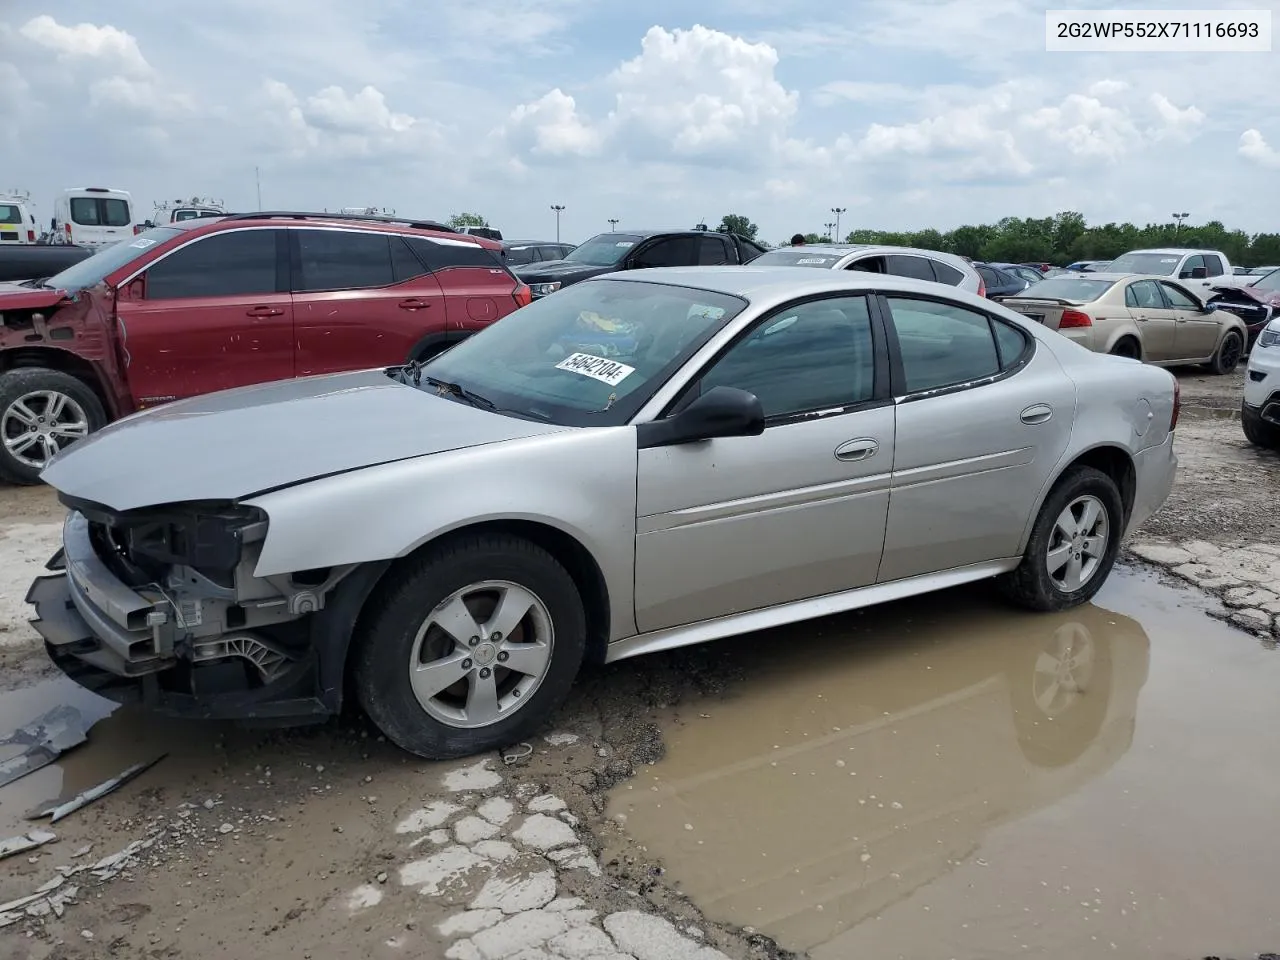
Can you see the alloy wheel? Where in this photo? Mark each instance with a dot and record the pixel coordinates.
(37, 425)
(1078, 543)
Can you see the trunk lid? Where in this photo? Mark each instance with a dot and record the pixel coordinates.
(1047, 312)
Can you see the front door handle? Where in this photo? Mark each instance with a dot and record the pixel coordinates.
(413, 303)
(1140, 317)
(263, 311)
(861, 449)
(1039, 413)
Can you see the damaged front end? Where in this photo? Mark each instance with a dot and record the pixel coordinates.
(161, 604)
(1255, 307)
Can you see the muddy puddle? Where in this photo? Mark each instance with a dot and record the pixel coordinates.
(948, 778)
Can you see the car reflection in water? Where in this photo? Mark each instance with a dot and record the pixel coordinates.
(856, 766)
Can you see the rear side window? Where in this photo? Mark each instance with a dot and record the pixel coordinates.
(1213, 265)
(917, 268)
(342, 260)
(100, 212)
(442, 255)
(521, 255)
(715, 251)
(1011, 342)
(671, 252)
(404, 264)
(942, 344)
(234, 263)
(1144, 295)
(947, 274)
(10, 213)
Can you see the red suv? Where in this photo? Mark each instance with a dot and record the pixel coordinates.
(189, 308)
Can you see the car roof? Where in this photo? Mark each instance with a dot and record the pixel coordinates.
(1171, 250)
(842, 249)
(757, 283)
(535, 243)
(402, 227)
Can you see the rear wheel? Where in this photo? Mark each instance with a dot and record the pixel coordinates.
(1073, 545)
(1228, 355)
(470, 647)
(41, 413)
(1128, 347)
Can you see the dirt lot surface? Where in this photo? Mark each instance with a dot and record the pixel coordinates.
(874, 784)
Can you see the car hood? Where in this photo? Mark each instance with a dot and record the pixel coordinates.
(1223, 293)
(233, 444)
(14, 296)
(550, 271)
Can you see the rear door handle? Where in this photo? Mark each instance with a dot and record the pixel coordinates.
(861, 449)
(1038, 413)
(263, 311)
(413, 303)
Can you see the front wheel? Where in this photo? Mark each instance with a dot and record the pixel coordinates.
(1073, 544)
(1257, 431)
(1228, 355)
(471, 647)
(42, 412)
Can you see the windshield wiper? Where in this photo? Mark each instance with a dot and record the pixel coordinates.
(462, 393)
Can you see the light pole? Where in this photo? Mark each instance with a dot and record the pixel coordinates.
(1178, 218)
(830, 227)
(837, 211)
(557, 207)
(613, 223)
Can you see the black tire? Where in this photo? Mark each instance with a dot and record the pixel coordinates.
(1127, 347)
(1030, 585)
(16, 384)
(1257, 431)
(1228, 356)
(385, 640)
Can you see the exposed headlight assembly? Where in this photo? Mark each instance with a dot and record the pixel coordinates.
(543, 289)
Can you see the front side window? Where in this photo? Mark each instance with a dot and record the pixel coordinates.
(672, 252)
(942, 344)
(1192, 264)
(1179, 298)
(342, 260)
(1270, 281)
(591, 355)
(814, 356)
(230, 264)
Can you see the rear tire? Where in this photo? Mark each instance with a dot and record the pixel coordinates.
(1073, 545)
(1228, 356)
(437, 622)
(1127, 347)
(41, 413)
(1257, 431)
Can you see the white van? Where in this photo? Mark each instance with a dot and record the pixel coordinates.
(92, 217)
(17, 222)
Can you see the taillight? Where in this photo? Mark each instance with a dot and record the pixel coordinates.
(1074, 318)
(68, 227)
(522, 295)
(31, 236)
(137, 229)
(1177, 405)
(982, 288)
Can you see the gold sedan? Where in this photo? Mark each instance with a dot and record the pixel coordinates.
(1153, 319)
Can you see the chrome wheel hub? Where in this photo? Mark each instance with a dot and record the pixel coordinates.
(38, 424)
(1078, 543)
(481, 654)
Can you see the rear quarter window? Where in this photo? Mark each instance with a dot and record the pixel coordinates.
(447, 255)
(947, 274)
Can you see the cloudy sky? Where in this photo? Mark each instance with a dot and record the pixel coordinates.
(908, 113)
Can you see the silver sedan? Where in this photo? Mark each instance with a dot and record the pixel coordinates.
(643, 461)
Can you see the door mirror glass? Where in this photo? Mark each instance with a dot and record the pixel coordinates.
(720, 412)
(1199, 273)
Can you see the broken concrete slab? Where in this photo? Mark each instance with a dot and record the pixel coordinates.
(516, 894)
(647, 937)
(542, 832)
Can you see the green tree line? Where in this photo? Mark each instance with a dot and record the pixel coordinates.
(1066, 237)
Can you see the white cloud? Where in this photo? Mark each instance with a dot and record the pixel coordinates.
(552, 126)
(86, 41)
(1253, 146)
(1086, 128)
(1179, 123)
(1107, 88)
(362, 113)
(141, 97)
(338, 125)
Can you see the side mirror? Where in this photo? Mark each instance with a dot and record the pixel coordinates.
(720, 412)
(1198, 273)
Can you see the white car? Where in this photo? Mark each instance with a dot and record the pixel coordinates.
(932, 265)
(1260, 411)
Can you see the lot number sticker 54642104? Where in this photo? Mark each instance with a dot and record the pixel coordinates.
(597, 368)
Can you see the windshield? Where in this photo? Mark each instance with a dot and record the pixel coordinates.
(604, 250)
(589, 356)
(798, 257)
(93, 270)
(1269, 282)
(1155, 264)
(1076, 289)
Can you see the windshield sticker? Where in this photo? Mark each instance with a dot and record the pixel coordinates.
(813, 260)
(143, 243)
(625, 243)
(705, 312)
(597, 368)
(1168, 259)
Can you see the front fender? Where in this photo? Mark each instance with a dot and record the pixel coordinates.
(581, 482)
